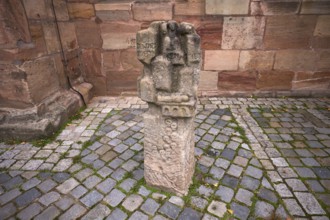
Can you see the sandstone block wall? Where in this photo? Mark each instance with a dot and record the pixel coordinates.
(35, 98)
(249, 47)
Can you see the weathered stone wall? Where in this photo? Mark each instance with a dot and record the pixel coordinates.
(250, 47)
(35, 98)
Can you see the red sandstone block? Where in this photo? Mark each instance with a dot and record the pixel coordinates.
(284, 32)
(99, 85)
(311, 81)
(237, 81)
(80, 10)
(315, 7)
(37, 47)
(151, 11)
(256, 60)
(61, 10)
(275, 7)
(118, 36)
(274, 80)
(129, 61)
(209, 28)
(111, 60)
(88, 34)
(296, 60)
(51, 37)
(121, 81)
(221, 59)
(189, 8)
(323, 63)
(68, 35)
(92, 62)
(38, 9)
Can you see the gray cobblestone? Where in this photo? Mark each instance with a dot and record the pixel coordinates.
(74, 212)
(92, 198)
(50, 213)
(150, 206)
(7, 211)
(98, 212)
(114, 198)
(117, 214)
(226, 194)
(49, 198)
(79, 191)
(106, 186)
(29, 212)
(244, 196)
(170, 210)
(27, 197)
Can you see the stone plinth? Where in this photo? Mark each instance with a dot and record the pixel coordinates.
(171, 56)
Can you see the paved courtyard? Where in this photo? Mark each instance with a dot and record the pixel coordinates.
(256, 159)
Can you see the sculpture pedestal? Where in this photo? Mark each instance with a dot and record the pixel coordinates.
(168, 151)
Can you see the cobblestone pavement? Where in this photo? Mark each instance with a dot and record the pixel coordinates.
(256, 159)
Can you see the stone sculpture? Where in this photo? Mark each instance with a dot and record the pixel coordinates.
(171, 56)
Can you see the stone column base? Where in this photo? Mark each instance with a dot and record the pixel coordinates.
(39, 121)
(169, 161)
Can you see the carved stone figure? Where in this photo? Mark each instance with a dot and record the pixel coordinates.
(171, 56)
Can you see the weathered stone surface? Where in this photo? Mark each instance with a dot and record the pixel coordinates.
(169, 85)
(311, 81)
(27, 124)
(61, 10)
(92, 62)
(256, 60)
(14, 91)
(41, 78)
(80, 10)
(322, 26)
(227, 7)
(208, 27)
(99, 85)
(321, 42)
(35, 48)
(111, 60)
(284, 32)
(154, 10)
(129, 61)
(121, 81)
(274, 80)
(117, 15)
(118, 36)
(208, 80)
(299, 60)
(221, 60)
(315, 7)
(189, 8)
(237, 81)
(51, 39)
(113, 6)
(275, 7)
(242, 32)
(37, 9)
(323, 62)
(68, 35)
(13, 24)
(88, 34)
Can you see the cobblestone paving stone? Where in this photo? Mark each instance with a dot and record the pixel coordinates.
(256, 159)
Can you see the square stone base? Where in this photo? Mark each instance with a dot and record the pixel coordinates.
(169, 161)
